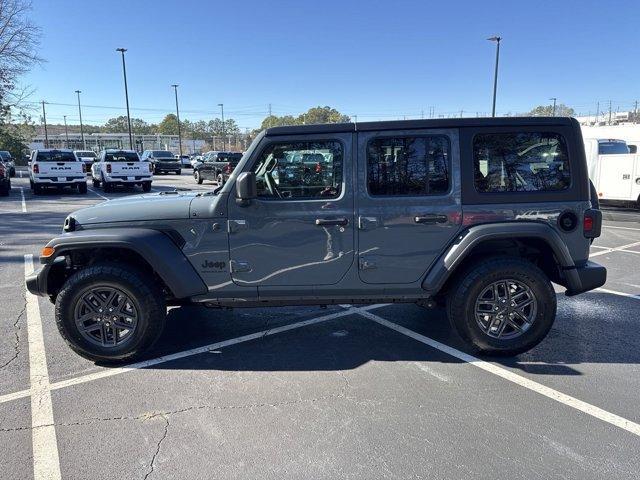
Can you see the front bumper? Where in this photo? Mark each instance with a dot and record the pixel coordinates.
(584, 278)
(37, 281)
(167, 166)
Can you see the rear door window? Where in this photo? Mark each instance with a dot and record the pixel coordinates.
(613, 147)
(520, 162)
(408, 165)
(55, 156)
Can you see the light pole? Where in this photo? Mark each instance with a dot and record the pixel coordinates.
(495, 74)
(175, 89)
(44, 120)
(224, 139)
(554, 105)
(126, 95)
(78, 92)
(66, 133)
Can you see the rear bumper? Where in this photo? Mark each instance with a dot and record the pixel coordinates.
(587, 277)
(56, 183)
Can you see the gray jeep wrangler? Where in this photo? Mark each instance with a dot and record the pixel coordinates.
(478, 215)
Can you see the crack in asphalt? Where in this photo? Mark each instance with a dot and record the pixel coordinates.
(155, 455)
(168, 413)
(16, 328)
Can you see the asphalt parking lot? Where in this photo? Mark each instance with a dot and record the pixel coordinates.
(343, 392)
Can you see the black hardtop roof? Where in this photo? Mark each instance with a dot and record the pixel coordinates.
(416, 124)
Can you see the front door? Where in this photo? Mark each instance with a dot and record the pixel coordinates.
(299, 231)
(408, 202)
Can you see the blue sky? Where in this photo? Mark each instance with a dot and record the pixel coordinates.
(374, 59)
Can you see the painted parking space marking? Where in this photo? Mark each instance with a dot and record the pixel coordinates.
(620, 228)
(615, 292)
(510, 376)
(622, 248)
(98, 194)
(22, 200)
(46, 461)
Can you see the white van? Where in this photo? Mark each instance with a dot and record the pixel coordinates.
(614, 171)
(56, 168)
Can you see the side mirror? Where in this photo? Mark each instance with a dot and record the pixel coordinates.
(246, 188)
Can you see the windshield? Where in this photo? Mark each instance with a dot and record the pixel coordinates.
(86, 154)
(56, 156)
(612, 147)
(163, 154)
(4, 155)
(121, 157)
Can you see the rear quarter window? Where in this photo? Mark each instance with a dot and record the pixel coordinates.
(520, 162)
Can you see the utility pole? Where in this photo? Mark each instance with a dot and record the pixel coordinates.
(554, 106)
(66, 133)
(609, 112)
(126, 94)
(175, 88)
(224, 138)
(635, 112)
(78, 92)
(597, 112)
(44, 119)
(495, 74)
(269, 109)
(422, 114)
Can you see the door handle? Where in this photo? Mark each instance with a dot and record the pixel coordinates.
(322, 222)
(431, 219)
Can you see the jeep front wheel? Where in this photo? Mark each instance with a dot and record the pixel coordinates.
(502, 306)
(110, 312)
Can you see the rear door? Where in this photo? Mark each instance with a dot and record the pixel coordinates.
(58, 165)
(408, 202)
(615, 177)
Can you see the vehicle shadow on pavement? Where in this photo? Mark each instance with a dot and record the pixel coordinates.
(597, 328)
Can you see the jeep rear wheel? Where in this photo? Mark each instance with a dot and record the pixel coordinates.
(502, 306)
(110, 312)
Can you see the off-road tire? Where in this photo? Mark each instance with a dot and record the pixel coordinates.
(470, 284)
(140, 287)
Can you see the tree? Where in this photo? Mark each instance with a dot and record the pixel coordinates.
(169, 125)
(313, 115)
(547, 111)
(19, 40)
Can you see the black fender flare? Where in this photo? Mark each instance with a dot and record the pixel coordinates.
(464, 243)
(157, 248)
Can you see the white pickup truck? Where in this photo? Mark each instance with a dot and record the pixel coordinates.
(56, 168)
(121, 167)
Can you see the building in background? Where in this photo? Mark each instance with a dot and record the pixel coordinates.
(99, 141)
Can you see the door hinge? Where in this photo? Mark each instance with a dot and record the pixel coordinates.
(234, 226)
(238, 266)
(365, 223)
(366, 264)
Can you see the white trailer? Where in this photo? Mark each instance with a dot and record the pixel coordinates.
(614, 171)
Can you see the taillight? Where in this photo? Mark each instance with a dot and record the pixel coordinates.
(228, 168)
(108, 168)
(36, 168)
(318, 167)
(592, 223)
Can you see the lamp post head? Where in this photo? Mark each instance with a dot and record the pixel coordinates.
(495, 38)
(121, 50)
(175, 85)
(221, 104)
(78, 92)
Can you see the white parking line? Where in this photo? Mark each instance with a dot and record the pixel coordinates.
(621, 228)
(46, 462)
(563, 398)
(98, 194)
(616, 249)
(621, 294)
(24, 204)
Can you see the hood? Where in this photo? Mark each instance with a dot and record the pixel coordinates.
(153, 206)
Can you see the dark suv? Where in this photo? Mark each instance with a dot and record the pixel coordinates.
(163, 161)
(478, 215)
(216, 166)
